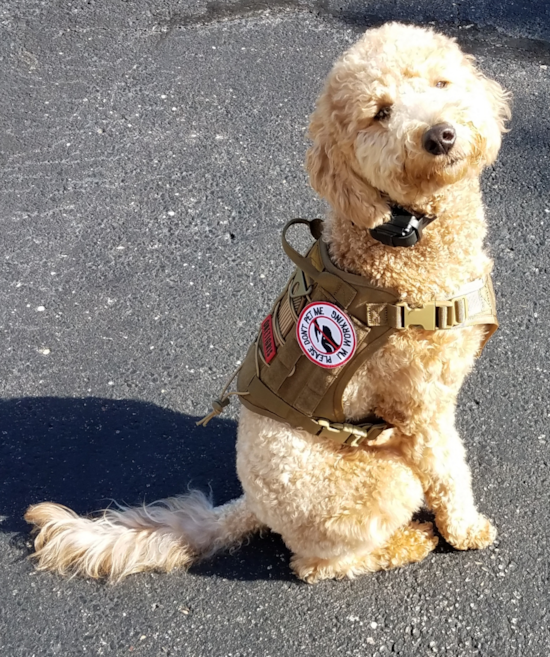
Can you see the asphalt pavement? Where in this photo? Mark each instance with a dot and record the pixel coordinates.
(150, 153)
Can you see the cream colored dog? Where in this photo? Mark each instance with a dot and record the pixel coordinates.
(348, 510)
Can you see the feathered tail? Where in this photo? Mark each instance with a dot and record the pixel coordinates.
(164, 535)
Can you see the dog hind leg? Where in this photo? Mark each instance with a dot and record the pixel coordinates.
(407, 545)
(163, 535)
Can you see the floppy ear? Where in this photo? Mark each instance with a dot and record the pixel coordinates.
(499, 111)
(499, 100)
(329, 164)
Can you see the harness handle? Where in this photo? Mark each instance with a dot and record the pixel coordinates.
(338, 288)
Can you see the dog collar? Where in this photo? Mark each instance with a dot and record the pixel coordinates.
(403, 229)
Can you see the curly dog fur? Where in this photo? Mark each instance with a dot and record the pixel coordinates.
(342, 510)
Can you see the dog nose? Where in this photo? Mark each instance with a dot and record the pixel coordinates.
(439, 139)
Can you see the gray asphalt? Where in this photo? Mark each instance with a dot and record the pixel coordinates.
(150, 153)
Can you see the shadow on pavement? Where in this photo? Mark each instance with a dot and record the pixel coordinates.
(86, 452)
(485, 40)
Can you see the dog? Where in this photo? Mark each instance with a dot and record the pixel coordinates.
(405, 118)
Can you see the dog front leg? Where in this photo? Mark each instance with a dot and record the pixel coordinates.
(440, 461)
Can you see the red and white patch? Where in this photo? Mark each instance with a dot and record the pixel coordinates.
(268, 341)
(326, 334)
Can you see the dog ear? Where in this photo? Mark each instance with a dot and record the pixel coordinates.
(329, 164)
(499, 113)
(499, 100)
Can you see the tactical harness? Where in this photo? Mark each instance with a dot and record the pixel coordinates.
(279, 380)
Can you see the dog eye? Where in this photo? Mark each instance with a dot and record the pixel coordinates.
(383, 113)
(441, 84)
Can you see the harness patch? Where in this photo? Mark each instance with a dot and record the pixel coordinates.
(268, 341)
(326, 334)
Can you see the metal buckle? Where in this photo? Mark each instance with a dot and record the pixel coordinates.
(359, 432)
(368, 435)
(340, 426)
(425, 316)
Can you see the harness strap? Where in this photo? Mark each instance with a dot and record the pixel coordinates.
(473, 305)
(342, 433)
(338, 288)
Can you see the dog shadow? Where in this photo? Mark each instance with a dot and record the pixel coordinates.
(85, 453)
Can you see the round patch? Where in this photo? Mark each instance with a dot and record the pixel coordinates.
(326, 334)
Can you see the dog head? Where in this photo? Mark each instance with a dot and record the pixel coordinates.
(403, 112)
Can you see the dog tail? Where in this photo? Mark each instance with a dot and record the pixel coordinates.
(163, 535)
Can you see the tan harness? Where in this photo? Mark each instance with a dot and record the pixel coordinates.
(276, 378)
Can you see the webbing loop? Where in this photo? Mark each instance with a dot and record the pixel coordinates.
(335, 286)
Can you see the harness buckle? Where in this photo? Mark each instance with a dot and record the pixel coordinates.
(425, 316)
(446, 315)
(461, 309)
(435, 315)
(370, 434)
(452, 313)
(358, 433)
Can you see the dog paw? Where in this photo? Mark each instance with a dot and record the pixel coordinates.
(311, 570)
(419, 540)
(477, 536)
(407, 545)
(315, 569)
